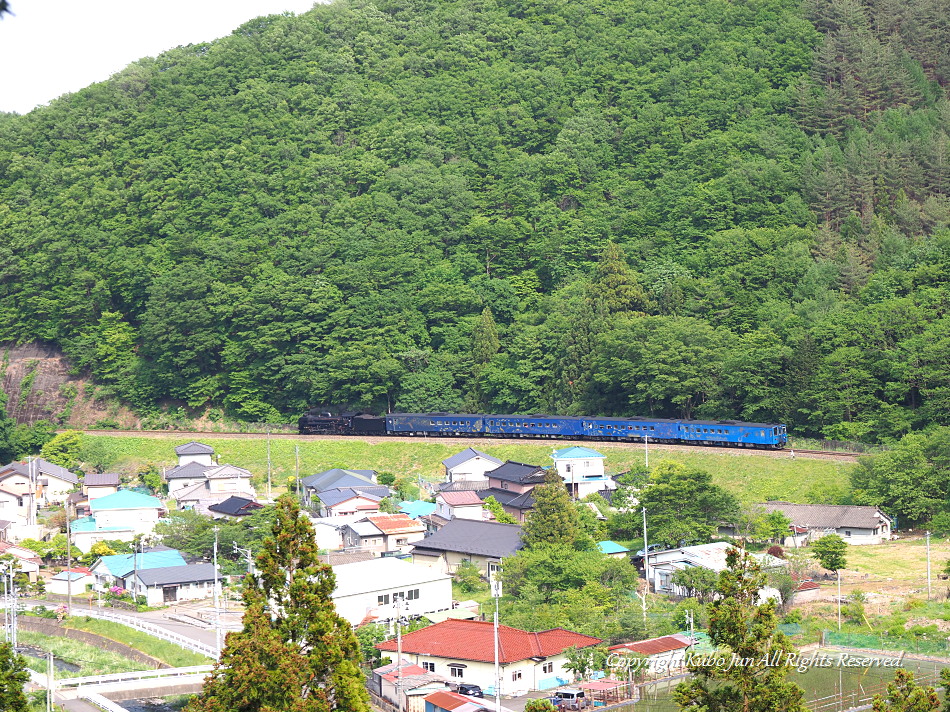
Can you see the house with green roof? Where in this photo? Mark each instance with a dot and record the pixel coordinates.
(582, 470)
(119, 516)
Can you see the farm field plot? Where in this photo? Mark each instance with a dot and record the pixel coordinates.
(749, 475)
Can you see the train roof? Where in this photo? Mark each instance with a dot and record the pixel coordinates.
(613, 419)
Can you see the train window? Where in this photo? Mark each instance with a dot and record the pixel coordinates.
(652, 428)
(431, 422)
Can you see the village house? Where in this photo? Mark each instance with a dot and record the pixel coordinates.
(484, 544)
(26, 560)
(49, 483)
(369, 590)
(165, 585)
(99, 484)
(18, 516)
(233, 508)
(448, 701)
(469, 465)
(347, 501)
(459, 505)
(312, 485)
(855, 524)
(119, 516)
(663, 655)
(383, 533)
(613, 549)
(405, 685)
(516, 477)
(582, 470)
(712, 556)
(197, 480)
(464, 651)
(75, 581)
(117, 570)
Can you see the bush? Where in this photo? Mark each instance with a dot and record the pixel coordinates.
(793, 616)
(469, 578)
(940, 524)
(776, 551)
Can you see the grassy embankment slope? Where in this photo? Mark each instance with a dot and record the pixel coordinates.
(750, 476)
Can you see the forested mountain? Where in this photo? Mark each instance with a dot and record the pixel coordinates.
(700, 208)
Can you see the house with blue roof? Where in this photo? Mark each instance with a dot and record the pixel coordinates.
(613, 549)
(582, 470)
(120, 569)
(119, 516)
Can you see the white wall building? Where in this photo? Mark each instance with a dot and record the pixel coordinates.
(582, 470)
(469, 465)
(370, 588)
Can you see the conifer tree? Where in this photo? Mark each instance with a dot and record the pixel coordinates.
(13, 676)
(615, 289)
(295, 652)
(554, 520)
(748, 672)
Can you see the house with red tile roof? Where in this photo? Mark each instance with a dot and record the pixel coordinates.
(459, 505)
(663, 654)
(445, 701)
(407, 681)
(464, 651)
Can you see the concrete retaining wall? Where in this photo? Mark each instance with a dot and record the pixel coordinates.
(48, 626)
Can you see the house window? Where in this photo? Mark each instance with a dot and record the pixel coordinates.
(847, 532)
(456, 671)
(428, 667)
(567, 468)
(547, 667)
(401, 542)
(412, 594)
(516, 675)
(383, 600)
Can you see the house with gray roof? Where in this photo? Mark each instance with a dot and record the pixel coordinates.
(174, 584)
(468, 465)
(485, 544)
(853, 523)
(336, 478)
(347, 501)
(48, 483)
(198, 481)
(516, 476)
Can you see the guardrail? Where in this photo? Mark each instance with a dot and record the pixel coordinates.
(156, 631)
(101, 702)
(132, 676)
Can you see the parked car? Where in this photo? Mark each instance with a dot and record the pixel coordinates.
(464, 688)
(652, 548)
(556, 701)
(573, 699)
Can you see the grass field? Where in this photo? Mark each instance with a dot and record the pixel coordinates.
(750, 476)
(157, 648)
(90, 659)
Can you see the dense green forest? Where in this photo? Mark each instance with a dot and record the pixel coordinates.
(686, 208)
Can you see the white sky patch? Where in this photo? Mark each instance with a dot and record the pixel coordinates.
(53, 47)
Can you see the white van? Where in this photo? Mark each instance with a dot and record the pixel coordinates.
(573, 699)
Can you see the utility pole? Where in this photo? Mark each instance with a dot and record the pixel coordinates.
(397, 601)
(269, 495)
(297, 468)
(50, 682)
(246, 553)
(69, 563)
(646, 450)
(839, 599)
(928, 566)
(13, 621)
(496, 594)
(217, 621)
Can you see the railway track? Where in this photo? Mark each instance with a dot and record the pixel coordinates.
(789, 453)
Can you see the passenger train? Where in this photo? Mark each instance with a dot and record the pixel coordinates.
(726, 433)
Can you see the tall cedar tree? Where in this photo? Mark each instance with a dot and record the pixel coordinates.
(554, 519)
(13, 676)
(739, 628)
(905, 695)
(295, 653)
